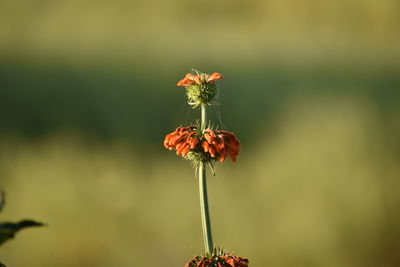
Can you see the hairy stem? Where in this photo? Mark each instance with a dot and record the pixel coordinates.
(205, 212)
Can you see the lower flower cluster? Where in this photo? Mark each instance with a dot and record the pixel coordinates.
(221, 142)
(183, 139)
(210, 144)
(228, 260)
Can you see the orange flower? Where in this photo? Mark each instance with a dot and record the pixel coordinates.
(191, 79)
(215, 76)
(183, 139)
(221, 142)
(209, 148)
(232, 144)
(235, 261)
(228, 260)
(218, 144)
(188, 80)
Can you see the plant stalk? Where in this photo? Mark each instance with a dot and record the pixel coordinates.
(205, 212)
(203, 117)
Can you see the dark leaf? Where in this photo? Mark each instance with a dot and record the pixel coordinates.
(8, 229)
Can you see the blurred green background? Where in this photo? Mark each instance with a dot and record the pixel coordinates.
(88, 92)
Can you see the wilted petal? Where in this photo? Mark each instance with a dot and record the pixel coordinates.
(223, 155)
(232, 154)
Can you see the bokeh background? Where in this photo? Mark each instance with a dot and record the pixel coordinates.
(88, 92)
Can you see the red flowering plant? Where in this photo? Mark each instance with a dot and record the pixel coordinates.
(204, 145)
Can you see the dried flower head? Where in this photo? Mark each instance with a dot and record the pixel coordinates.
(201, 89)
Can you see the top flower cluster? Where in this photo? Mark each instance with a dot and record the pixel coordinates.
(201, 89)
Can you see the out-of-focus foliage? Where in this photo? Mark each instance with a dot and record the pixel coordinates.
(88, 92)
(320, 190)
(110, 68)
(175, 31)
(9, 229)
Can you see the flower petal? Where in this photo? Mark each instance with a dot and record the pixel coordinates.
(188, 80)
(212, 151)
(206, 146)
(193, 143)
(208, 137)
(215, 76)
(223, 155)
(185, 150)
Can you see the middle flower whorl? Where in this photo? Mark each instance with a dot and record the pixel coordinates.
(191, 143)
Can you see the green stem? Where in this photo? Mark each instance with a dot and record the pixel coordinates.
(205, 212)
(203, 117)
